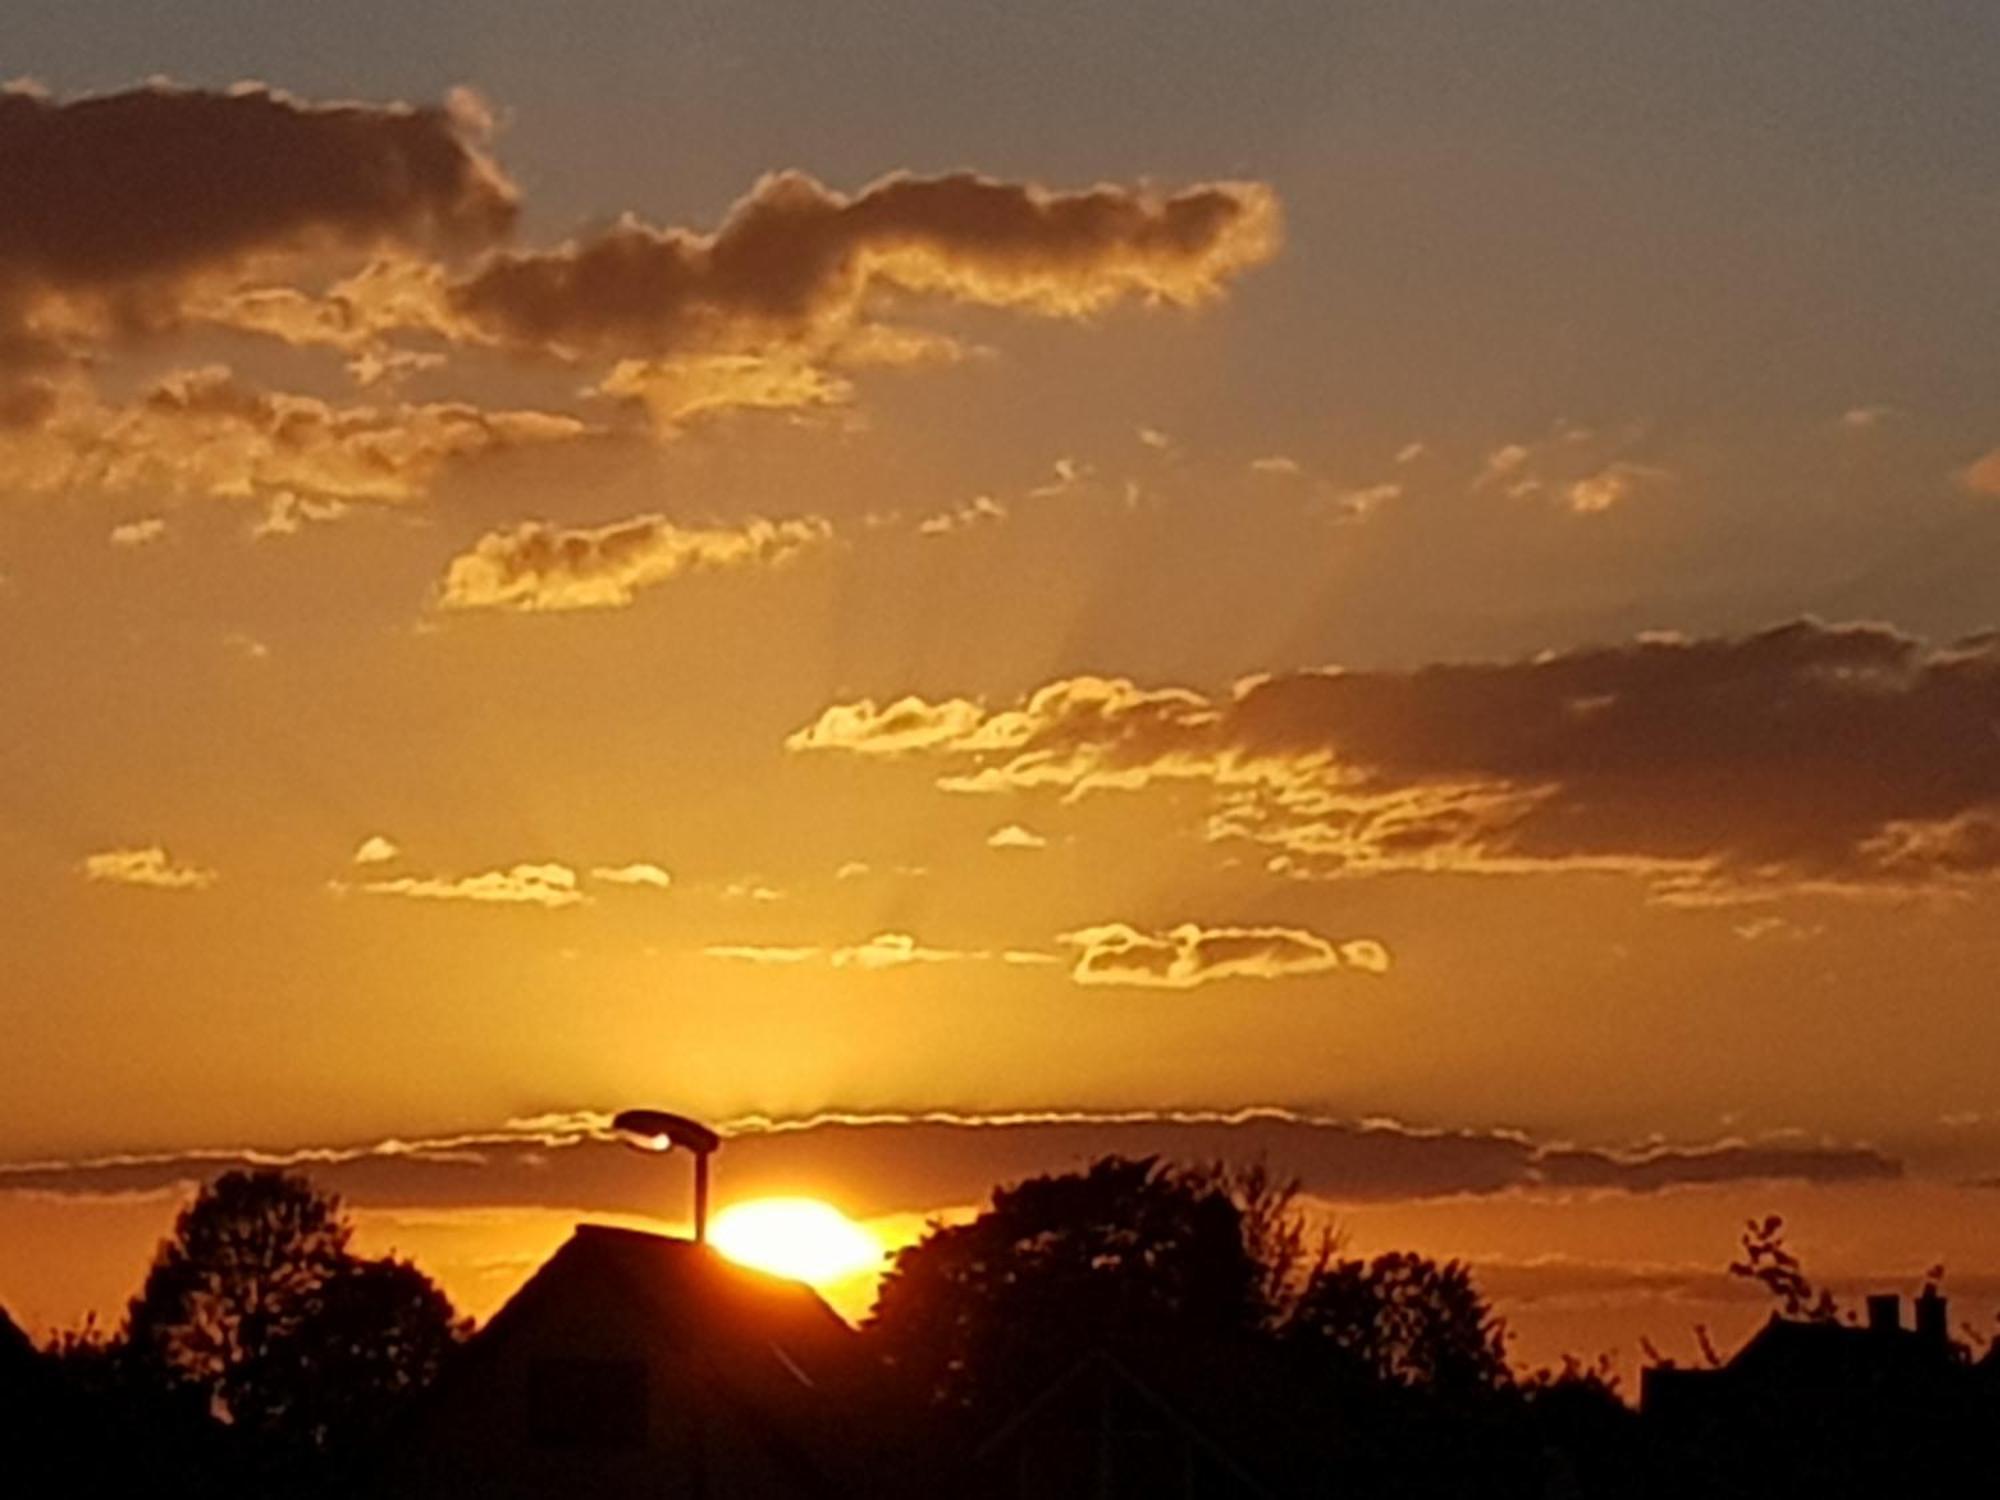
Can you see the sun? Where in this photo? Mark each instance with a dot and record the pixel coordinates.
(800, 1238)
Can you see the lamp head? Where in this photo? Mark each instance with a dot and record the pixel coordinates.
(656, 1130)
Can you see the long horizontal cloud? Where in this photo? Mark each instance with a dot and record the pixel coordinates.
(1189, 955)
(539, 566)
(885, 950)
(796, 263)
(546, 885)
(887, 1163)
(1808, 754)
(118, 204)
(204, 432)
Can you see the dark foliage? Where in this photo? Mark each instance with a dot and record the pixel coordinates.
(1128, 1256)
(1402, 1320)
(261, 1355)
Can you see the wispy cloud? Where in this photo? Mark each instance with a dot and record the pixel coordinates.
(152, 867)
(1183, 957)
(638, 873)
(540, 566)
(544, 885)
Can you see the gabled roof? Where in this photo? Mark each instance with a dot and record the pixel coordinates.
(769, 1348)
(1828, 1353)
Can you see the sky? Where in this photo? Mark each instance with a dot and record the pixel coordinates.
(1404, 588)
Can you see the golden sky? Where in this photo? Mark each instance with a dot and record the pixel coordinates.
(952, 591)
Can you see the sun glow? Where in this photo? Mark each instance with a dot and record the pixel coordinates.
(801, 1238)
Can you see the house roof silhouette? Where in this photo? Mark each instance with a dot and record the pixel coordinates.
(634, 1364)
(1830, 1408)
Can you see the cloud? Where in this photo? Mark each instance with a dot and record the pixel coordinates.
(545, 885)
(976, 511)
(379, 232)
(203, 432)
(677, 391)
(1802, 756)
(639, 873)
(885, 950)
(1188, 955)
(1279, 465)
(1503, 463)
(797, 265)
(376, 850)
(151, 867)
(287, 513)
(756, 953)
(540, 566)
(894, 950)
(1610, 486)
(1014, 836)
(223, 184)
(138, 533)
(919, 1161)
(1982, 475)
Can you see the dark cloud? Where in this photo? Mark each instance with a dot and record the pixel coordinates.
(796, 262)
(122, 197)
(898, 1163)
(1844, 756)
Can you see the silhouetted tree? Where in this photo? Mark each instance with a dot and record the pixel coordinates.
(1405, 1320)
(1287, 1250)
(257, 1308)
(1767, 1261)
(1132, 1257)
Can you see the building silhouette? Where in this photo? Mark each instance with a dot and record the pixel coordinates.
(637, 1365)
(1825, 1408)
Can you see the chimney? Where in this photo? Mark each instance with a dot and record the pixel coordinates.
(1885, 1312)
(1931, 1324)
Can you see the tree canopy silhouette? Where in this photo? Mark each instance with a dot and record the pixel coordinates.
(1176, 1271)
(258, 1308)
(1402, 1319)
(1132, 1257)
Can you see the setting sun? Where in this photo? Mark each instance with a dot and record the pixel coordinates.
(801, 1238)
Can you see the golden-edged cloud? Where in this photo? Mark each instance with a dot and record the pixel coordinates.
(1188, 955)
(1803, 754)
(150, 866)
(225, 184)
(378, 232)
(545, 885)
(1015, 836)
(540, 566)
(203, 432)
(796, 264)
(377, 849)
(142, 532)
(922, 1160)
(885, 950)
(641, 873)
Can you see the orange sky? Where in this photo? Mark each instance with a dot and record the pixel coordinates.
(1413, 598)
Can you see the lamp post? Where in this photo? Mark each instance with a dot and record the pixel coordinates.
(656, 1130)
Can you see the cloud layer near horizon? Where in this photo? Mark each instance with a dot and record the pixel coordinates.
(886, 1163)
(1804, 756)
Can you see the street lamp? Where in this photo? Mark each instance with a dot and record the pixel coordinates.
(656, 1130)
